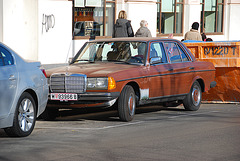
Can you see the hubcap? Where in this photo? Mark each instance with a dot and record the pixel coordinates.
(26, 115)
(131, 104)
(196, 95)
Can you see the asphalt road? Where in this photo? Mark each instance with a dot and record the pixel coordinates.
(210, 134)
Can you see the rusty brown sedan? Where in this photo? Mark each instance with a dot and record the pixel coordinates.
(127, 72)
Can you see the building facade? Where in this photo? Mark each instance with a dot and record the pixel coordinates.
(52, 31)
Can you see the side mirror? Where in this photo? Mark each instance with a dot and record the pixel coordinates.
(155, 60)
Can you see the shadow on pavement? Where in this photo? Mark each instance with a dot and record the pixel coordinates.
(107, 114)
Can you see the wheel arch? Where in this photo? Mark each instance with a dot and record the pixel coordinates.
(136, 89)
(34, 95)
(202, 84)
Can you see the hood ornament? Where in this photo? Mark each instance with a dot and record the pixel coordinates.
(67, 71)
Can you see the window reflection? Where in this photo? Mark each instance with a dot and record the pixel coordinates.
(89, 17)
(169, 16)
(212, 16)
(88, 21)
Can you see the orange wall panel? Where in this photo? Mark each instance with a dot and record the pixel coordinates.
(226, 58)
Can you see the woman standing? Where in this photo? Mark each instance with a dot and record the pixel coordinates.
(123, 27)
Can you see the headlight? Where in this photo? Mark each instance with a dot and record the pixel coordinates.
(101, 83)
(97, 83)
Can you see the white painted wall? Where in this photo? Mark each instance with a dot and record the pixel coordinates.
(1, 20)
(234, 22)
(56, 44)
(20, 30)
(137, 11)
(192, 14)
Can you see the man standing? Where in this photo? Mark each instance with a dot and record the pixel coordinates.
(193, 34)
(143, 31)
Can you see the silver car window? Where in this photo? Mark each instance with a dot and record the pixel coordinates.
(6, 57)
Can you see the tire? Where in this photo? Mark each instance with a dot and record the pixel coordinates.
(193, 100)
(24, 117)
(49, 114)
(127, 104)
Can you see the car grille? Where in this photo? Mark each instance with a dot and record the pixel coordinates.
(61, 83)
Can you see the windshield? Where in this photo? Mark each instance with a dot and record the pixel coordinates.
(127, 52)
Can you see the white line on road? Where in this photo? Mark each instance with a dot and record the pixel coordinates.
(82, 128)
(195, 114)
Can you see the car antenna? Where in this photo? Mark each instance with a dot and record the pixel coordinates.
(70, 45)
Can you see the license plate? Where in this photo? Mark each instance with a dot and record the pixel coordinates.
(64, 96)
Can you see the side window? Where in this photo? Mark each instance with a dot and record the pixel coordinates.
(6, 57)
(173, 52)
(157, 50)
(183, 54)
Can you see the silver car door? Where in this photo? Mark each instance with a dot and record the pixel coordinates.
(8, 82)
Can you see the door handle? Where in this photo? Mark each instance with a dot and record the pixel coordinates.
(12, 78)
(191, 68)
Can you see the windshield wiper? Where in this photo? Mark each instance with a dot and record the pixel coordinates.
(119, 61)
(115, 60)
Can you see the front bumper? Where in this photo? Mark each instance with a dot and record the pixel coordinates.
(88, 99)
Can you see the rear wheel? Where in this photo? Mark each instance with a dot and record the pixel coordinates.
(24, 118)
(127, 104)
(193, 100)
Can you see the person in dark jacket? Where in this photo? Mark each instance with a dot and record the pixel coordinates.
(143, 31)
(123, 27)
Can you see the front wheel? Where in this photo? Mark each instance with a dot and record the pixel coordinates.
(127, 104)
(24, 118)
(193, 100)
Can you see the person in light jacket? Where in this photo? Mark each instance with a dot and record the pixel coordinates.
(143, 31)
(193, 34)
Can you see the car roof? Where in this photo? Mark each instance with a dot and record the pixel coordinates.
(146, 39)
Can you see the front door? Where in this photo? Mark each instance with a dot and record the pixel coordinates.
(160, 74)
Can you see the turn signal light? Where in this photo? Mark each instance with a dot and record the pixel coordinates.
(111, 83)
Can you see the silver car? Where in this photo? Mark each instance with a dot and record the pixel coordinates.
(23, 93)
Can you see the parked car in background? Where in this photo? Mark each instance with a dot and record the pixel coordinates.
(23, 93)
(128, 72)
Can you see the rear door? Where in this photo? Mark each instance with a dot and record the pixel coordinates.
(181, 66)
(8, 82)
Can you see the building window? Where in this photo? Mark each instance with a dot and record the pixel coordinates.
(170, 16)
(93, 18)
(212, 16)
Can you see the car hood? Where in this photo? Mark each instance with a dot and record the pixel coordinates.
(93, 69)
